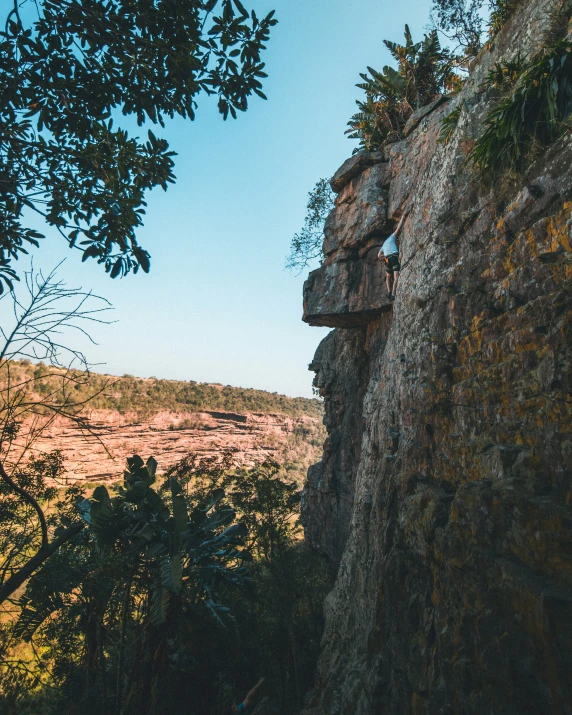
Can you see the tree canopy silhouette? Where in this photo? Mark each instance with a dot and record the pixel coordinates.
(68, 72)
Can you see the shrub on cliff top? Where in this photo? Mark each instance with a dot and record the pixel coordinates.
(424, 70)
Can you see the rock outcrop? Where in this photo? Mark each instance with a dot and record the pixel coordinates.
(444, 494)
(253, 437)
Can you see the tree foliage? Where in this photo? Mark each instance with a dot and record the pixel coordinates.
(34, 520)
(424, 70)
(147, 396)
(467, 23)
(67, 74)
(307, 244)
(462, 22)
(30, 402)
(129, 616)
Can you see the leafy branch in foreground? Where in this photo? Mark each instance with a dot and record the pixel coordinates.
(534, 113)
(61, 79)
(307, 244)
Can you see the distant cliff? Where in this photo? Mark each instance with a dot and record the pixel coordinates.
(168, 419)
(444, 492)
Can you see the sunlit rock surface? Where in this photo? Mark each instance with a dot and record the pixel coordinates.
(252, 437)
(348, 290)
(444, 493)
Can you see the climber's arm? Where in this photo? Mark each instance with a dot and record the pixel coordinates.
(399, 225)
(251, 697)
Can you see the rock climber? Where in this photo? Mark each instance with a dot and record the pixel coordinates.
(246, 705)
(390, 252)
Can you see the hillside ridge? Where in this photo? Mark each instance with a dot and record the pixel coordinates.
(128, 393)
(168, 419)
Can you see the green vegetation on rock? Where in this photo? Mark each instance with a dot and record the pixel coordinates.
(532, 114)
(307, 244)
(424, 70)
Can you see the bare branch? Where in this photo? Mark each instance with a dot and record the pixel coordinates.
(24, 573)
(29, 405)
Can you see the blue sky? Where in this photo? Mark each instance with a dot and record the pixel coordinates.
(218, 305)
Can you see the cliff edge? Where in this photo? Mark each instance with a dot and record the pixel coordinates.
(444, 493)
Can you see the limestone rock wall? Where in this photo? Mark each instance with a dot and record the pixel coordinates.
(444, 493)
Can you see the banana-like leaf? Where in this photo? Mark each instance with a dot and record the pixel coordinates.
(156, 504)
(137, 493)
(179, 506)
(135, 462)
(172, 572)
(156, 549)
(104, 522)
(151, 465)
(220, 613)
(137, 471)
(160, 597)
(234, 531)
(219, 518)
(215, 497)
(147, 533)
(34, 612)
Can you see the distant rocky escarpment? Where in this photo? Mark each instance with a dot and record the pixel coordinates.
(167, 419)
(444, 494)
(99, 455)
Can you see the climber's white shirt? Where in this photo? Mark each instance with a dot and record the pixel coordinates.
(390, 246)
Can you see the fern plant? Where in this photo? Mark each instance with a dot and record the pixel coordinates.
(534, 112)
(449, 124)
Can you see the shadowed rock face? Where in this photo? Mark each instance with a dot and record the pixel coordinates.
(444, 493)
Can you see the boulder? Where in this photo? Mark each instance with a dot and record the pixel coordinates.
(353, 167)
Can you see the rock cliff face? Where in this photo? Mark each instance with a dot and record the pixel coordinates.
(252, 437)
(444, 493)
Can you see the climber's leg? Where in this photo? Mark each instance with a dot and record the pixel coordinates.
(389, 282)
(395, 279)
(392, 268)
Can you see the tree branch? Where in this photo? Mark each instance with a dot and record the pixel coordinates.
(30, 500)
(44, 553)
